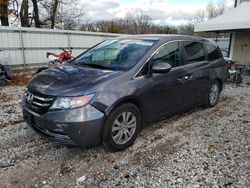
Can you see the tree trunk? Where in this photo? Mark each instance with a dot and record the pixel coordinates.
(36, 14)
(4, 12)
(53, 15)
(24, 13)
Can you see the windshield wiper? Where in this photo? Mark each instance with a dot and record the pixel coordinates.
(97, 66)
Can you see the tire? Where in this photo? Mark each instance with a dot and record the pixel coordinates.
(213, 94)
(117, 134)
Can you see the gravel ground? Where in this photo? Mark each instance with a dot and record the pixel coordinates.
(204, 147)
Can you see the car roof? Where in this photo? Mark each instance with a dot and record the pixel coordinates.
(166, 37)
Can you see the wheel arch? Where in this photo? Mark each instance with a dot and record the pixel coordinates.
(220, 83)
(214, 78)
(132, 100)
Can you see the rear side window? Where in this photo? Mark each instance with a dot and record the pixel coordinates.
(213, 52)
(194, 52)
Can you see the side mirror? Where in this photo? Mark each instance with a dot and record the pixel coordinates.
(161, 67)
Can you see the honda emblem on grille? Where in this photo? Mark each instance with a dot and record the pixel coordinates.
(30, 97)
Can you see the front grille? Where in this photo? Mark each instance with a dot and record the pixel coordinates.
(38, 102)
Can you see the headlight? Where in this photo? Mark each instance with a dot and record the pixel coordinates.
(71, 102)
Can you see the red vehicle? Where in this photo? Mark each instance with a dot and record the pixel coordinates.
(234, 71)
(54, 59)
(63, 57)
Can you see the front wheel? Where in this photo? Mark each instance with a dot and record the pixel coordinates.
(213, 95)
(121, 127)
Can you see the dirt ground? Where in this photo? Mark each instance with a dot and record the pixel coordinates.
(201, 148)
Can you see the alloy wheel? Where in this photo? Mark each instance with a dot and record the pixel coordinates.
(124, 128)
(214, 94)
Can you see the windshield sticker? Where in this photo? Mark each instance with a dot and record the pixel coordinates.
(125, 41)
(144, 43)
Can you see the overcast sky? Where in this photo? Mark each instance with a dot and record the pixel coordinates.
(161, 11)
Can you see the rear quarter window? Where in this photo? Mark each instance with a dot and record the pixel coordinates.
(213, 52)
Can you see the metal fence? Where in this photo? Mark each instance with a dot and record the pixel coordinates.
(28, 46)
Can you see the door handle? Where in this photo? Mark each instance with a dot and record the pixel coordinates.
(185, 78)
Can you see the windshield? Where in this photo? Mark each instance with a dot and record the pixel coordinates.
(115, 54)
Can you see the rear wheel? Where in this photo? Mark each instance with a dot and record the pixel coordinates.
(213, 95)
(121, 127)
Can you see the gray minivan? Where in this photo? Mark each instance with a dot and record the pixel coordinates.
(111, 91)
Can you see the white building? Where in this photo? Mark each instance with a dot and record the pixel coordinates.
(237, 22)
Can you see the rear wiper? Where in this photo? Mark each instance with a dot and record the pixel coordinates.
(97, 66)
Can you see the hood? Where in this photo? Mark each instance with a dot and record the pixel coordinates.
(69, 80)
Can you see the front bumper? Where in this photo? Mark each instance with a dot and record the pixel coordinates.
(80, 126)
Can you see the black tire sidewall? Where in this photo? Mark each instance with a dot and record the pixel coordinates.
(107, 129)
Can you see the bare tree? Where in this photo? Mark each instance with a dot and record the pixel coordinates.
(102, 25)
(128, 25)
(133, 24)
(212, 10)
(28, 12)
(49, 12)
(87, 25)
(62, 14)
(36, 14)
(13, 10)
(70, 15)
(24, 13)
(4, 15)
(53, 13)
(215, 9)
(221, 6)
(200, 16)
(65, 14)
(138, 21)
(187, 29)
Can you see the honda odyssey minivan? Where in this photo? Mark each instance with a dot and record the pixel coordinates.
(111, 91)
